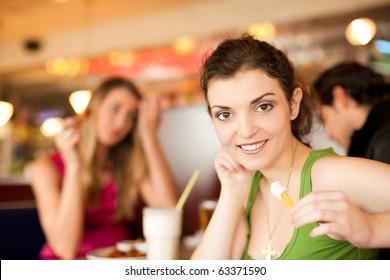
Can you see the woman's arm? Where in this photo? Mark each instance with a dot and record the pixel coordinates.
(158, 189)
(61, 209)
(224, 237)
(350, 200)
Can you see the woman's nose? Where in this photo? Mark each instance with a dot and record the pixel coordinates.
(246, 127)
(122, 121)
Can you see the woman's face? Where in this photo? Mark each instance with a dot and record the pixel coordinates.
(116, 116)
(252, 117)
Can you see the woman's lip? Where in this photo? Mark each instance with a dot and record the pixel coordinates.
(252, 148)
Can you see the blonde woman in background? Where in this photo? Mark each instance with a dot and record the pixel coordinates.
(88, 189)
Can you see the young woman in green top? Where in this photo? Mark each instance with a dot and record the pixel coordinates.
(261, 114)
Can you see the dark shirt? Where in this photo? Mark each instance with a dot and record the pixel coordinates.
(379, 148)
(372, 140)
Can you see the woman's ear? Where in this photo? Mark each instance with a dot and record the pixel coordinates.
(341, 99)
(295, 102)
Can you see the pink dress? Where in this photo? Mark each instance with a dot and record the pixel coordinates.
(99, 230)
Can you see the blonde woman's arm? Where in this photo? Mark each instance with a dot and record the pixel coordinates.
(60, 208)
(350, 200)
(158, 188)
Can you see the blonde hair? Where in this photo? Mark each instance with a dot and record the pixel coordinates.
(127, 157)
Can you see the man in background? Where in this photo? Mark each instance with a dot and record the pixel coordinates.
(355, 106)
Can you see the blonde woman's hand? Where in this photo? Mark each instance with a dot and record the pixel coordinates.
(149, 115)
(67, 141)
(232, 175)
(338, 217)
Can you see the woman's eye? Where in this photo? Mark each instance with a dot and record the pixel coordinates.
(223, 116)
(114, 109)
(264, 107)
(132, 116)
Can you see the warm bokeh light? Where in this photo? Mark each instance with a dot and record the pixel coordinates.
(61, 66)
(73, 67)
(360, 31)
(79, 100)
(184, 45)
(262, 30)
(57, 66)
(51, 127)
(118, 58)
(6, 111)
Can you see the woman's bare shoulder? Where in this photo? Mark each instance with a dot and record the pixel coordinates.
(42, 163)
(43, 170)
(332, 170)
(339, 163)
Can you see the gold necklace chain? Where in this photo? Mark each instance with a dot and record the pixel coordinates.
(269, 251)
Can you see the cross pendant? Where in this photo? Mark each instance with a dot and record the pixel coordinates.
(268, 251)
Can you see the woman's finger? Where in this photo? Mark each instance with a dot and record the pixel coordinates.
(67, 134)
(221, 161)
(318, 196)
(316, 216)
(70, 122)
(333, 230)
(330, 204)
(237, 167)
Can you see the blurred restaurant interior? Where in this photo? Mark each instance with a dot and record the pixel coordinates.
(51, 48)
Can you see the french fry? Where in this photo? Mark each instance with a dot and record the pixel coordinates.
(287, 200)
(83, 116)
(279, 191)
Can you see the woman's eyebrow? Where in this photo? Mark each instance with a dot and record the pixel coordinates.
(221, 107)
(254, 101)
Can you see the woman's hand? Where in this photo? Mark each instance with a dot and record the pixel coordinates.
(149, 116)
(337, 216)
(67, 141)
(232, 175)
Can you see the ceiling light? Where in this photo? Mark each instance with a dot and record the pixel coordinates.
(51, 127)
(6, 111)
(79, 100)
(360, 32)
(184, 45)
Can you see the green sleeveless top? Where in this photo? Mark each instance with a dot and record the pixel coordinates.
(302, 246)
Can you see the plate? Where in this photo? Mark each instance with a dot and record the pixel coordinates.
(103, 254)
(127, 245)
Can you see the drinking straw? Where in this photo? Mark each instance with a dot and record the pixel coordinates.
(187, 190)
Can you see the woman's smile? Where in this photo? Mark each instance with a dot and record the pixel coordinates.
(252, 148)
